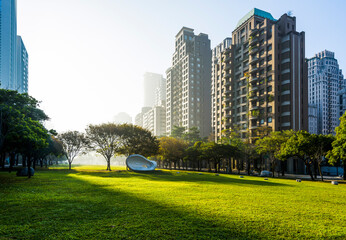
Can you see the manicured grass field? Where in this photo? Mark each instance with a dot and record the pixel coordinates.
(90, 203)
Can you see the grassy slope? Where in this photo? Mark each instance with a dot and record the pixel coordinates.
(94, 204)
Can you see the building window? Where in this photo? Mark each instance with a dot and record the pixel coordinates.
(269, 47)
(270, 120)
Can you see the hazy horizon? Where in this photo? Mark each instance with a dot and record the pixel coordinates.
(87, 60)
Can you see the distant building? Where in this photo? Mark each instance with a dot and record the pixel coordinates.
(122, 117)
(217, 92)
(313, 118)
(139, 116)
(22, 67)
(154, 89)
(342, 100)
(155, 120)
(13, 54)
(326, 83)
(188, 83)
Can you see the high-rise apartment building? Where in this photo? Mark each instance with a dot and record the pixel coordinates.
(8, 43)
(22, 67)
(325, 84)
(188, 83)
(13, 54)
(155, 120)
(217, 88)
(264, 77)
(154, 89)
(139, 116)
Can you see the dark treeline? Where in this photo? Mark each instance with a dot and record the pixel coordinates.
(267, 151)
(23, 138)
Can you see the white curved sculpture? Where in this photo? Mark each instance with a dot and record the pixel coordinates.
(139, 163)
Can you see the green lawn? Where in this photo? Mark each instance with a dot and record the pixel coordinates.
(90, 203)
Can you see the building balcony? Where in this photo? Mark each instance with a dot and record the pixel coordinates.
(227, 107)
(253, 87)
(253, 79)
(253, 106)
(253, 69)
(253, 127)
(238, 72)
(227, 50)
(228, 66)
(253, 59)
(253, 50)
(253, 41)
(253, 97)
(253, 32)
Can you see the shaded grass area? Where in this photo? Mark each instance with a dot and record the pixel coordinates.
(90, 203)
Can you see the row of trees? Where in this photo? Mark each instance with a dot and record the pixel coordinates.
(22, 133)
(270, 150)
(108, 140)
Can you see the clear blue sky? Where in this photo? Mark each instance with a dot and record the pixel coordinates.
(88, 57)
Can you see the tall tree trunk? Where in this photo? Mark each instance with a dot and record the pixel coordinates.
(319, 169)
(34, 163)
(29, 166)
(344, 169)
(24, 161)
(307, 164)
(69, 165)
(3, 156)
(283, 168)
(109, 164)
(12, 160)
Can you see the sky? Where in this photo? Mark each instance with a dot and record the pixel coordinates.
(87, 57)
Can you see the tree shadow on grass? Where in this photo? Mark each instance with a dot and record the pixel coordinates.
(159, 175)
(90, 211)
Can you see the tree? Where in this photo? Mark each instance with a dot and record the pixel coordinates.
(193, 155)
(73, 143)
(192, 135)
(298, 145)
(319, 147)
(339, 145)
(178, 132)
(105, 139)
(214, 153)
(232, 137)
(172, 150)
(271, 146)
(20, 124)
(137, 140)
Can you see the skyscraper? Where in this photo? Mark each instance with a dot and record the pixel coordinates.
(154, 89)
(22, 76)
(264, 77)
(325, 83)
(217, 90)
(8, 43)
(188, 83)
(13, 54)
